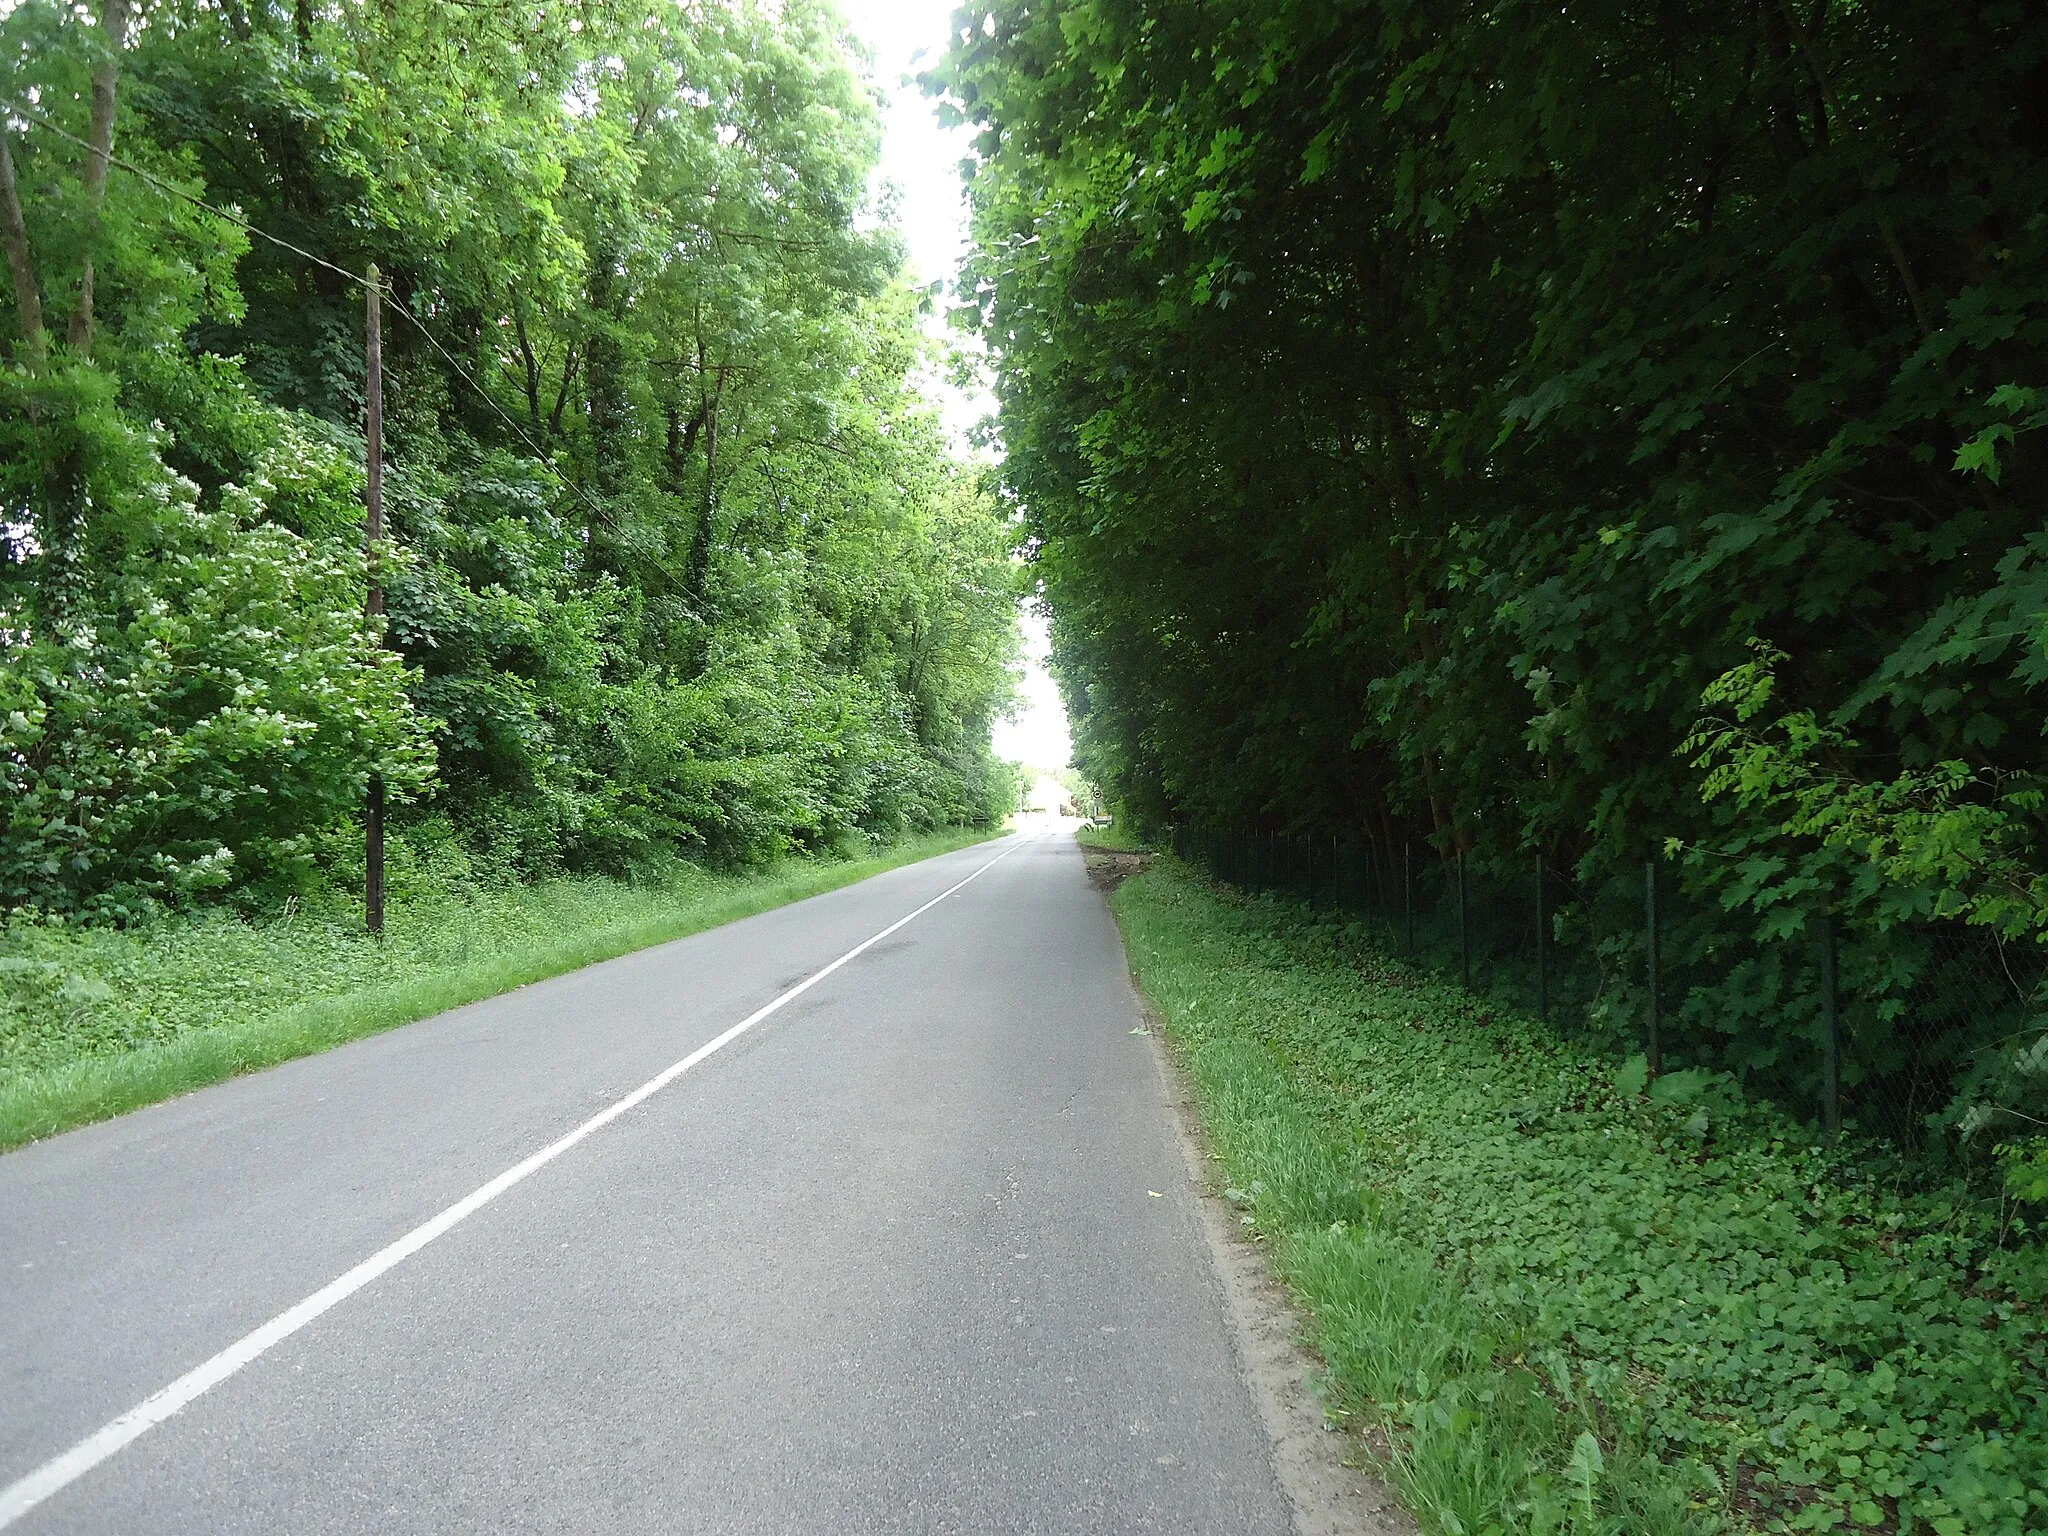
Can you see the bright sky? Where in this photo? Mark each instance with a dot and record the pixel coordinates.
(922, 160)
(1038, 735)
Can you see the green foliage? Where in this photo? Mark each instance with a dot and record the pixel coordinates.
(1945, 842)
(1115, 837)
(1416, 409)
(678, 560)
(1508, 1247)
(1959, 835)
(223, 702)
(2026, 1170)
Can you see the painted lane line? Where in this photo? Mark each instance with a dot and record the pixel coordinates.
(18, 1498)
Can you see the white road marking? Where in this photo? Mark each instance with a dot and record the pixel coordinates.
(18, 1498)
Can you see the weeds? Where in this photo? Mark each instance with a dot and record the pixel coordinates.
(1565, 1305)
(1115, 838)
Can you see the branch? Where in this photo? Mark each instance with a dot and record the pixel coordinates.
(532, 379)
(569, 362)
(1890, 236)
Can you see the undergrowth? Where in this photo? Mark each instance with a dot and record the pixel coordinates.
(97, 1021)
(1559, 1303)
(1115, 838)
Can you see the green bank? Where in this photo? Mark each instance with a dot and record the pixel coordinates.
(1553, 1296)
(97, 1021)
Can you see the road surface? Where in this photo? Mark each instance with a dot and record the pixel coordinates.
(915, 1251)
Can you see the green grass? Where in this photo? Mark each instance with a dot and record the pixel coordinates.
(1115, 836)
(96, 1022)
(1558, 1303)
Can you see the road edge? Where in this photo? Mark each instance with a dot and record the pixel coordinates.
(1327, 1496)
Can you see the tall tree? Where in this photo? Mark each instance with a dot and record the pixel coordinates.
(1434, 424)
(648, 353)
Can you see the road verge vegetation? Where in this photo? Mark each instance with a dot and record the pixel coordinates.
(1556, 1297)
(97, 1021)
(1111, 856)
(1114, 838)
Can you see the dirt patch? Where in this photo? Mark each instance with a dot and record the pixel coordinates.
(1109, 868)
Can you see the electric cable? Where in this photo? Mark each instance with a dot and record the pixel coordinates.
(358, 278)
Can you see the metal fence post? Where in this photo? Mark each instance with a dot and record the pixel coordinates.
(1542, 947)
(1655, 1042)
(1831, 1012)
(1464, 930)
(1408, 890)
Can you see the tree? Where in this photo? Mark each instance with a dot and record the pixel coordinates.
(1417, 410)
(678, 562)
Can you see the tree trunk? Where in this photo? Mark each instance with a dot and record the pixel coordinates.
(697, 573)
(604, 375)
(682, 440)
(105, 80)
(531, 363)
(21, 263)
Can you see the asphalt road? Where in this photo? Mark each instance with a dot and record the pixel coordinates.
(888, 1261)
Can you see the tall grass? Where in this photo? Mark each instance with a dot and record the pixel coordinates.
(1474, 1436)
(95, 1022)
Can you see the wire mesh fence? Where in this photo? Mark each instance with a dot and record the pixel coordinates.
(1873, 1033)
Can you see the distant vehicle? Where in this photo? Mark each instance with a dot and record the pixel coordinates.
(1067, 808)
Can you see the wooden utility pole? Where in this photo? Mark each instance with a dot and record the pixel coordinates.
(373, 530)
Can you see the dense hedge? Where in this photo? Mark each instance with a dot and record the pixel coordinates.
(1560, 429)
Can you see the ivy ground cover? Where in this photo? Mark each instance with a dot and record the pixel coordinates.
(1555, 1302)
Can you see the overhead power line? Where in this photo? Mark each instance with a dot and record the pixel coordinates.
(28, 114)
(172, 189)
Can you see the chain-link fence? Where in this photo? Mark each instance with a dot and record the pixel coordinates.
(1872, 1032)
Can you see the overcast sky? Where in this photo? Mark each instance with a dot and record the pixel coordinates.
(922, 160)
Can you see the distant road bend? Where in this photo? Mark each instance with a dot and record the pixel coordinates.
(862, 1215)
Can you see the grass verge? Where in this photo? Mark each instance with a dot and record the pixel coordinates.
(1557, 1303)
(94, 1023)
(1114, 838)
